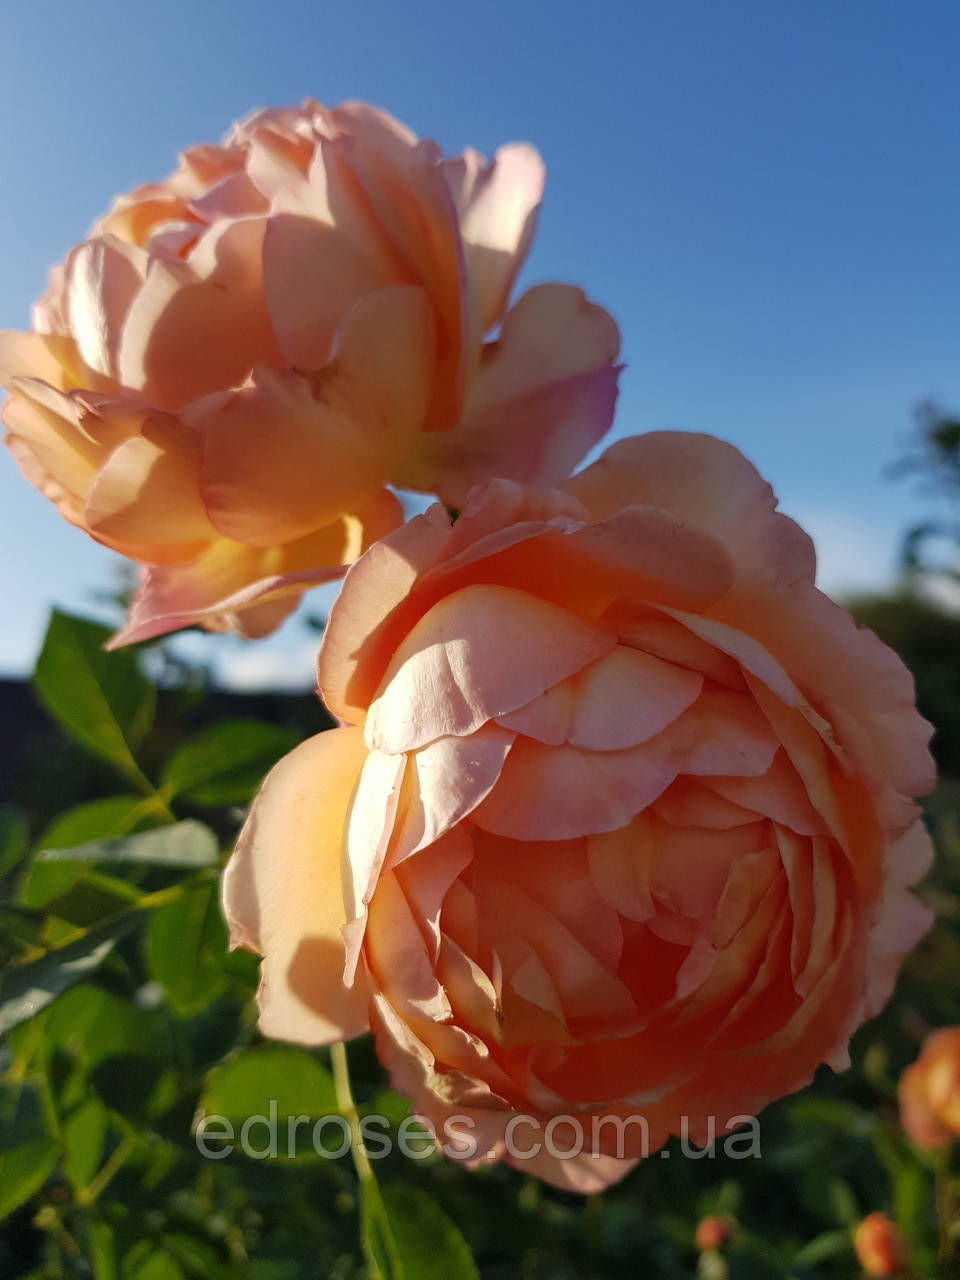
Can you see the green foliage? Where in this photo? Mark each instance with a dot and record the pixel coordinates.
(126, 1022)
(225, 763)
(101, 699)
(411, 1238)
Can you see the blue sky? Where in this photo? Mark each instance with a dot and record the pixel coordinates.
(764, 194)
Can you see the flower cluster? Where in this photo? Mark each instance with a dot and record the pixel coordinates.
(619, 820)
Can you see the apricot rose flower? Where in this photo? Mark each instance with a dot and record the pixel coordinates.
(225, 376)
(618, 822)
(929, 1092)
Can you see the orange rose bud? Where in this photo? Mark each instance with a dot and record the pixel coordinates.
(881, 1249)
(929, 1092)
(713, 1233)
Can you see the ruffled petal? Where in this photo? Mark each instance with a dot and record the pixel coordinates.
(248, 589)
(544, 394)
(709, 485)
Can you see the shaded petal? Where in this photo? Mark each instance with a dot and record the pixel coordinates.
(446, 782)
(145, 501)
(323, 250)
(620, 700)
(249, 589)
(405, 186)
(558, 793)
(36, 355)
(902, 920)
(357, 644)
(283, 895)
(54, 434)
(723, 733)
(543, 395)
(778, 794)
(478, 653)
(709, 485)
(397, 955)
(586, 1174)
(201, 325)
(847, 672)
(288, 453)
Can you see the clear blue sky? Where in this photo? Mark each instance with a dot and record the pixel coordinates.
(764, 193)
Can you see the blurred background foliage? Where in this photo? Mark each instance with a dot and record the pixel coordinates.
(124, 1017)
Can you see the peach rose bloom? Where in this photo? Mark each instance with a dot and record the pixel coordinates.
(224, 377)
(617, 822)
(929, 1092)
(713, 1233)
(880, 1248)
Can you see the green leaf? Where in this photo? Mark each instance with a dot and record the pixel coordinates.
(84, 1132)
(246, 1085)
(100, 1250)
(184, 844)
(24, 1170)
(100, 698)
(227, 762)
(911, 1195)
(14, 837)
(90, 1038)
(409, 1237)
(187, 947)
(90, 1025)
(48, 879)
(157, 1265)
(97, 820)
(22, 1118)
(29, 988)
(828, 1245)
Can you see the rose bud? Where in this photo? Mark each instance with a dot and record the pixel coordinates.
(224, 377)
(713, 1233)
(929, 1092)
(880, 1248)
(617, 830)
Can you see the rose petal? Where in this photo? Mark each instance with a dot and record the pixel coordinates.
(201, 325)
(708, 484)
(559, 793)
(544, 394)
(497, 205)
(287, 453)
(450, 674)
(354, 651)
(618, 701)
(145, 501)
(283, 895)
(230, 583)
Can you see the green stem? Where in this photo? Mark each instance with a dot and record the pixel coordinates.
(147, 903)
(348, 1109)
(946, 1206)
(371, 1201)
(96, 1185)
